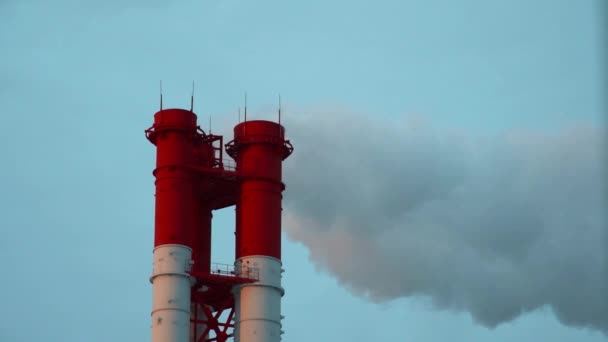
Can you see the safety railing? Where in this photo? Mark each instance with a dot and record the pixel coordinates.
(232, 271)
(229, 164)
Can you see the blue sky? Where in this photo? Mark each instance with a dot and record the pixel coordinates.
(80, 84)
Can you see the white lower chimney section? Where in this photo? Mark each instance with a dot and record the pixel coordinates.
(171, 293)
(258, 305)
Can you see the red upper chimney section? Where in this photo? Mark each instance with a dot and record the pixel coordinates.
(174, 132)
(259, 147)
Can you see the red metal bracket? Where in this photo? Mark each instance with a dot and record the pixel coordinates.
(213, 323)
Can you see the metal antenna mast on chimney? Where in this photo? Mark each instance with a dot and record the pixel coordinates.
(192, 99)
(245, 106)
(279, 116)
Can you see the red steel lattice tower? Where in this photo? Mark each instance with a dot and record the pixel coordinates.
(193, 300)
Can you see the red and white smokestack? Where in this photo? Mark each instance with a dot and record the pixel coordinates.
(176, 215)
(259, 147)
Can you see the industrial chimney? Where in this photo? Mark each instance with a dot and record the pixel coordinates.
(193, 299)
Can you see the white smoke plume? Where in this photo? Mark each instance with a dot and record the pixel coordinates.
(496, 227)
